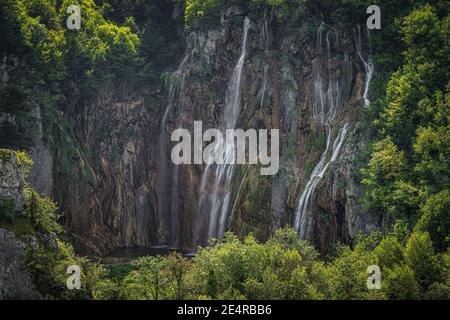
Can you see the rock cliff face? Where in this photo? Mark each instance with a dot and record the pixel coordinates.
(112, 172)
(15, 279)
(286, 77)
(12, 182)
(112, 201)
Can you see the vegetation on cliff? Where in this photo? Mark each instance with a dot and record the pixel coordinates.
(48, 254)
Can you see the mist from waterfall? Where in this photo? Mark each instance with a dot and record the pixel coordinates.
(369, 67)
(215, 188)
(327, 100)
(168, 175)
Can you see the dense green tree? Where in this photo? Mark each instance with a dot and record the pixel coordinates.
(148, 282)
(420, 257)
(435, 219)
(407, 176)
(389, 252)
(177, 268)
(401, 284)
(348, 274)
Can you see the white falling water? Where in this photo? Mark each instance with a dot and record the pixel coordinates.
(262, 94)
(303, 218)
(367, 62)
(265, 35)
(265, 43)
(215, 189)
(168, 210)
(326, 104)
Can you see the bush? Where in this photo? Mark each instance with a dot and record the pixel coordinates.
(435, 219)
(42, 212)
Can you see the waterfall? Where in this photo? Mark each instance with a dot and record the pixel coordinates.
(265, 35)
(168, 185)
(303, 218)
(339, 141)
(263, 91)
(367, 62)
(215, 188)
(265, 45)
(327, 96)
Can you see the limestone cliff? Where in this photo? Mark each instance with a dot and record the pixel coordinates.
(108, 163)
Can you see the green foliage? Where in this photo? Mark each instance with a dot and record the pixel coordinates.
(389, 252)
(435, 219)
(407, 176)
(197, 11)
(100, 45)
(419, 255)
(49, 265)
(401, 284)
(20, 226)
(178, 268)
(201, 13)
(286, 267)
(317, 140)
(106, 289)
(22, 159)
(148, 281)
(121, 271)
(437, 291)
(42, 212)
(348, 274)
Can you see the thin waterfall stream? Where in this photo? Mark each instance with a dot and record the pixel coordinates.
(369, 67)
(326, 105)
(215, 188)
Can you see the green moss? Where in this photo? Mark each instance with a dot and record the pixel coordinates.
(20, 226)
(23, 159)
(309, 167)
(317, 140)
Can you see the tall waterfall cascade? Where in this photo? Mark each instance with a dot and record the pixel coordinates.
(327, 101)
(215, 188)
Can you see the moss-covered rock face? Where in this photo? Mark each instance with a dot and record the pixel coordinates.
(12, 182)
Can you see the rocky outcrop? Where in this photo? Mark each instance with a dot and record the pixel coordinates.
(15, 279)
(12, 182)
